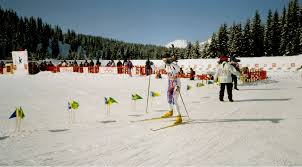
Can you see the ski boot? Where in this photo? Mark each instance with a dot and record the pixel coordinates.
(178, 120)
(168, 114)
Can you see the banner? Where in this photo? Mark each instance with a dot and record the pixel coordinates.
(109, 70)
(66, 69)
(85, 70)
(20, 61)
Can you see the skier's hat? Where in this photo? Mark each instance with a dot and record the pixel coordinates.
(223, 58)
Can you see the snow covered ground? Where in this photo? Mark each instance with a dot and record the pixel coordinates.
(262, 127)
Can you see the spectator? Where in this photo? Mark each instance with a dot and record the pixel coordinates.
(75, 63)
(129, 67)
(86, 63)
(50, 64)
(33, 68)
(192, 74)
(125, 62)
(119, 65)
(234, 63)
(60, 64)
(64, 63)
(112, 63)
(91, 64)
(181, 72)
(70, 64)
(2, 65)
(158, 74)
(109, 64)
(148, 67)
(98, 63)
(43, 66)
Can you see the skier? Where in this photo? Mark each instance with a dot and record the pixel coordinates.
(174, 86)
(224, 72)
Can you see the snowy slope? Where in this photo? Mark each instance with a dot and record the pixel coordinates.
(262, 127)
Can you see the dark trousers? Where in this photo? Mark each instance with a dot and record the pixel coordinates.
(148, 71)
(229, 90)
(234, 79)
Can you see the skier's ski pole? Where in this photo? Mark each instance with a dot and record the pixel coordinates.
(184, 104)
(148, 94)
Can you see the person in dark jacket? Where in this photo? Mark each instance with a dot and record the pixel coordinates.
(148, 67)
(192, 74)
(234, 62)
(2, 65)
(86, 63)
(129, 66)
(119, 65)
(91, 64)
(98, 63)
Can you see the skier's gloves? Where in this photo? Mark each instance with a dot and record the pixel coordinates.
(177, 88)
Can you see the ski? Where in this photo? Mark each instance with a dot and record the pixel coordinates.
(152, 119)
(170, 126)
(165, 127)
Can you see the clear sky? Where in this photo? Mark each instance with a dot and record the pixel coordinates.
(144, 21)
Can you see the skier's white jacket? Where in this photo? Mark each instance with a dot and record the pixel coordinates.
(172, 72)
(224, 72)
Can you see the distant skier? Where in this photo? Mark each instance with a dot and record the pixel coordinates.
(174, 86)
(224, 72)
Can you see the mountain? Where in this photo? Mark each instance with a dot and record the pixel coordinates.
(184, 43)
(177, 44)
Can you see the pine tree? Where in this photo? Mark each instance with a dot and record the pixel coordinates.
(213, 48)
(223, 40)
(46, 35)
(196, 50)
(268, 37)
(284, 33)
(189, 51)
(231, 42)
(55, 48)
(293, 25)
(276, 35)
(206, 51)
(257, 33)
(247, 40)
(236, 39)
